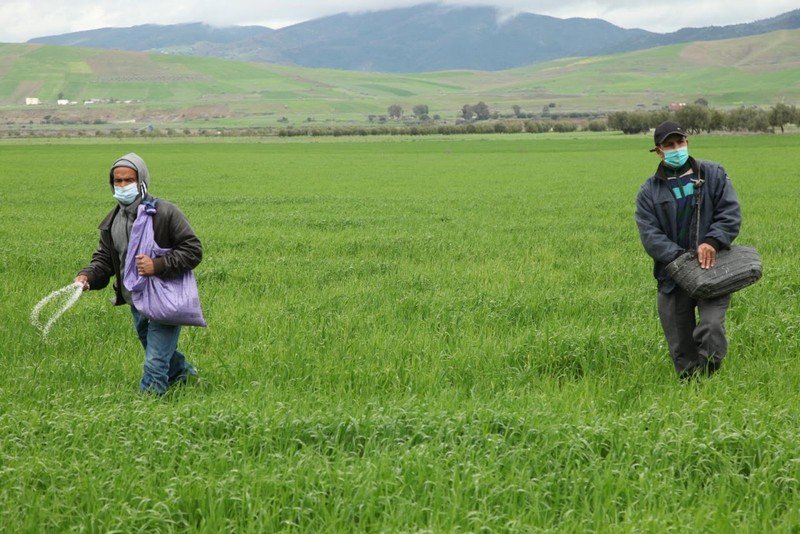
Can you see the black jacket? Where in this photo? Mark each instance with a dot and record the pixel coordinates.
(171, 229)
(656, 216)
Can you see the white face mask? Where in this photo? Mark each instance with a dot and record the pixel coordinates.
(126, 195)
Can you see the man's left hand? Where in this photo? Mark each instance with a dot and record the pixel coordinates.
(706, 255)
(145, 267)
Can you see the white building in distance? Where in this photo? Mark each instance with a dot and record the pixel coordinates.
(30, 101)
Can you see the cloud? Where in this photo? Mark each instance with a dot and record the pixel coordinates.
(21, 20)
(48, 17)
(664, 18)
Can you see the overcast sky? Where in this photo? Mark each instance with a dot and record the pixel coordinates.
(21, 20)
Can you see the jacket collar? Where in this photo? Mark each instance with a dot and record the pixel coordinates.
(663, 172)
(106, 223)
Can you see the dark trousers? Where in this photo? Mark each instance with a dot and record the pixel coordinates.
(694, 346)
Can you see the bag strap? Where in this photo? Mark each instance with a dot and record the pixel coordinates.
(698, 201)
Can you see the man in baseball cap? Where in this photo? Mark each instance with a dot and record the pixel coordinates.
(664, 130)
(669, 226)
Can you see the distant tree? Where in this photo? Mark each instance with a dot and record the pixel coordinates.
(546, 110)
(596, 126)
(701, 102)
(694, 118)
(481, 110)
(395, 111)
(751, 119)
(657, 116)
(515, 127)
(517, 111)
(616, 120)
(781, 114)
(630, 122)
(61, 95)
(536, 127)
(759, 121)
(421, 111)
(563, 127)
(716, 120)
(735, 119)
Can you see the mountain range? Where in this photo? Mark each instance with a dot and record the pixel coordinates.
(422, 38)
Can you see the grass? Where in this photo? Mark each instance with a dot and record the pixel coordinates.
(758, 70)
(405, 334)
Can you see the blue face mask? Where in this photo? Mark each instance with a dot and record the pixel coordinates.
(126, 194)
(676, 158)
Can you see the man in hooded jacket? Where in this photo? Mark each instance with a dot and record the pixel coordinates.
(129, 179)
(669, 226)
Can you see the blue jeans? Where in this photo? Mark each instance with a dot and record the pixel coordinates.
(164, 365)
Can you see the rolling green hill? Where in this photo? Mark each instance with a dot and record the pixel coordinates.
(161, 88)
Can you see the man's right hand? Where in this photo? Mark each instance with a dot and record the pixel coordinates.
(83, 280)
(706, 255)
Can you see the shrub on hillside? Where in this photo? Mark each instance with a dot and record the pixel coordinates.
(564, 127)
(537, 127)
(597, 126)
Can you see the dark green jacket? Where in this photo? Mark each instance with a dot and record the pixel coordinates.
(171, 229)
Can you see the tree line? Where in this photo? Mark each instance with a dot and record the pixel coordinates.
(483, 127)
(468, 112)
(479, 118)
(696, 118)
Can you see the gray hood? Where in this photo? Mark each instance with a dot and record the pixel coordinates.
(132, 161)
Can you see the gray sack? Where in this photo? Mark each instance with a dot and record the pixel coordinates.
(734, 269)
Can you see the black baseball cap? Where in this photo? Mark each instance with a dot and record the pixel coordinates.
(664, 130)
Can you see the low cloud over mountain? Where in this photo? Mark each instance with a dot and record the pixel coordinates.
(426, 37)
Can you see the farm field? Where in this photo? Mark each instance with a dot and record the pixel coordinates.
(404, 334)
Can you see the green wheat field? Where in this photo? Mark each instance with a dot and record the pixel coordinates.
(439, 334)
